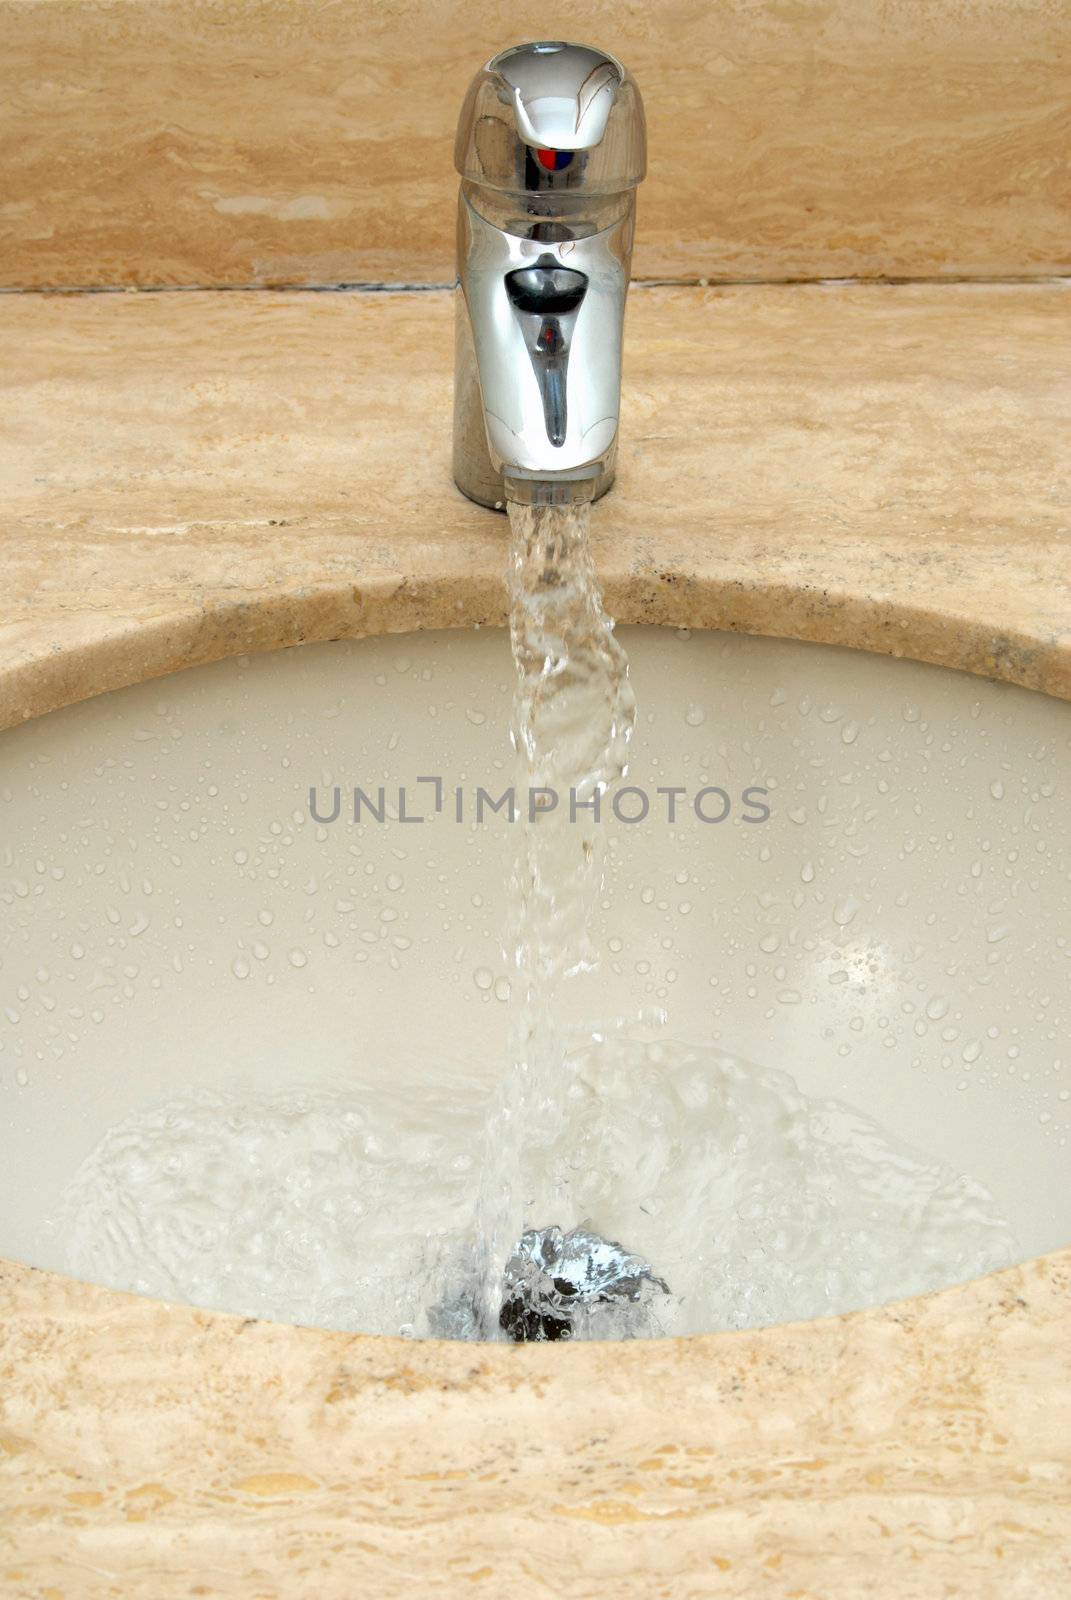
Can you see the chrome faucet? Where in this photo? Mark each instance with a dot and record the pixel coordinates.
(550, 147)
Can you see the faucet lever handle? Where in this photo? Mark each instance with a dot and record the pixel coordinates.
(546, 290)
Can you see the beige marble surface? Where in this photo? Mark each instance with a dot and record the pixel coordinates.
(917, 1452)
(190, 475)
(301, 141)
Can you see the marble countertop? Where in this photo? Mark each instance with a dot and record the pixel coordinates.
(191, 475)
(186, 476)
(918, 1451)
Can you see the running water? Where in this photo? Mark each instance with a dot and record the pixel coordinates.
(573, 719)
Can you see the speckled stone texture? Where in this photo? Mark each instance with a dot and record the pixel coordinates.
(917, 1452)
(188, 476)
(301, 141)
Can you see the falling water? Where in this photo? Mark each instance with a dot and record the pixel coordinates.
(573, 717)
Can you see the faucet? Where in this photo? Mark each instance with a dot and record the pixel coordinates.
(550, 146)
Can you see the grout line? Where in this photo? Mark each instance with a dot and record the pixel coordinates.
(234, 288)
(1037, 280)
(881, 282)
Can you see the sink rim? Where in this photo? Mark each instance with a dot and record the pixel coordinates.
(39, 674)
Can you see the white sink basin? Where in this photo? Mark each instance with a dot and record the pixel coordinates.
(896, 934)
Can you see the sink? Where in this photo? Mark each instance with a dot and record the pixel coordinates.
(895, 933)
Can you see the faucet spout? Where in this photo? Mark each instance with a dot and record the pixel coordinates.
(550, 148)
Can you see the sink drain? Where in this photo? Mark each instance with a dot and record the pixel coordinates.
(562, 1285)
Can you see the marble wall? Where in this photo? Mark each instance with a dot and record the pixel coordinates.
(164, 142)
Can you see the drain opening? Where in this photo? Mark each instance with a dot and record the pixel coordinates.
(563, 1285)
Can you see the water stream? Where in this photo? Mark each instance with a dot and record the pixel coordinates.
(573, 718)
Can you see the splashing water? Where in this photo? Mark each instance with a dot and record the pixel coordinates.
(754, 1202)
